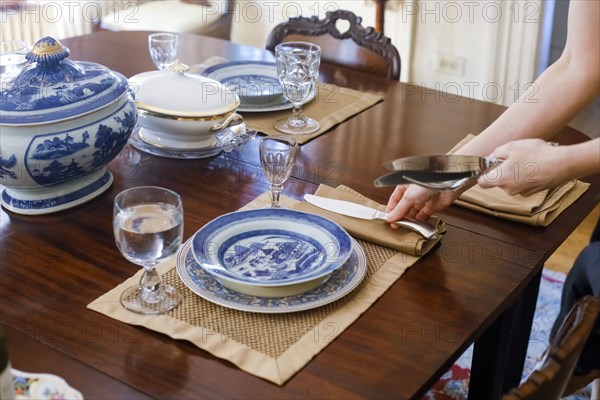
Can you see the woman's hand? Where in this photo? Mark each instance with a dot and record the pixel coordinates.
(529, 166)
(412, 201)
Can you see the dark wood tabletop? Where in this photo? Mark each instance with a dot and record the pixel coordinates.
(478, 285)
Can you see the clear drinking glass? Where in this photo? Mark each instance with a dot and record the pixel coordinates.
(277, 154)
(12, 55)
(297, 69)
(163, 49)
(148, 228)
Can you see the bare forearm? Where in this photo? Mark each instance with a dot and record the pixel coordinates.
(581, 159)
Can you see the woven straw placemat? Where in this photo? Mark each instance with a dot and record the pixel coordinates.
(332, 105)
(271, 346)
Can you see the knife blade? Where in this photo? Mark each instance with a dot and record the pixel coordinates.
(347, 208)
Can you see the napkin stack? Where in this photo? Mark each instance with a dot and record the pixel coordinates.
(374, 231)
(539, 209)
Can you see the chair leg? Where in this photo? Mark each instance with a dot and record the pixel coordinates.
(595, 390)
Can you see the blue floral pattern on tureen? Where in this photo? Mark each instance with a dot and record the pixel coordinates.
(53, 88)
(57, 157)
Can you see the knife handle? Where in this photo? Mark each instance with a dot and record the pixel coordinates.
(424, 228)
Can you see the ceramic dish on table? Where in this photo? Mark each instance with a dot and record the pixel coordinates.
(183, 111)
(255, 82)
(227, 140)
(341, 282)
(271, 252)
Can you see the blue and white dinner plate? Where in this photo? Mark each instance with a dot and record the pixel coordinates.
(270, 247)
(256, 84)
(343, 281)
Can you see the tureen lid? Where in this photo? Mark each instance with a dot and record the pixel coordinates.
(176, 93)
(53, 88)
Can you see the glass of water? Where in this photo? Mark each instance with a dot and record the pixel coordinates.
(148, 228)
(163, 49)
(277, 155)
(297, 69)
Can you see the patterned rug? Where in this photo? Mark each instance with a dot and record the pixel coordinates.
(454, 384)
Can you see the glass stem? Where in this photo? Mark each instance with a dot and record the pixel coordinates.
(297, 111)
(150, 282)
(275, 195)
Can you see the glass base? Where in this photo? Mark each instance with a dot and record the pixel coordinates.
(299, 126)
(132, 300)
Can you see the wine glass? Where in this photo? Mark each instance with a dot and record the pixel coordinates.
(163, 49)
(277, 154)
(297, 70)
(148, 228)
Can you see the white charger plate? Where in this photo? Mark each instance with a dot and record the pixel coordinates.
(252, 72)
(341, 282)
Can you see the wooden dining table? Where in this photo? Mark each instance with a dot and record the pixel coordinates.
(478, 285)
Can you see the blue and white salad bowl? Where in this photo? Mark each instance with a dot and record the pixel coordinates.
(62, 122)
(271, 252)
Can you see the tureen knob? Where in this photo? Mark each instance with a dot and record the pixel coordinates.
(178, 67)
(47, 51)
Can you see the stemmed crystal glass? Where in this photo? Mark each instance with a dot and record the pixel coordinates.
(163, 49)
(148, 228)
(297, 70)
(277, 155)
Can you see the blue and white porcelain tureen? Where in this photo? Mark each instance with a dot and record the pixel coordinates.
(61, 123)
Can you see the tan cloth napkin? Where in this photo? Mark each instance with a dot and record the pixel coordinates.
(539, 209)
(332, 105)
(271, 346)
(375, 231)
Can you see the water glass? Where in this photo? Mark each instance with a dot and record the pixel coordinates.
(297, 69)
(148, 228)
(163, 49)
(12, 55)
(277, 155)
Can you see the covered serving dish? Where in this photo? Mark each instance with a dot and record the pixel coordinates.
(61, 123)
(177, 110)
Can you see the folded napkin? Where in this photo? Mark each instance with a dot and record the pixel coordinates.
(539, 209)
(374, 231)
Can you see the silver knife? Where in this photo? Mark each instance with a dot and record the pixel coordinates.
(425, 229)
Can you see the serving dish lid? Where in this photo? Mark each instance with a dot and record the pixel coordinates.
(175, 93)
(53, 88)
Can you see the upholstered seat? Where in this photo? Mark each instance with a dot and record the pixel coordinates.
(549, 380)
(211, 18)
(357, 47)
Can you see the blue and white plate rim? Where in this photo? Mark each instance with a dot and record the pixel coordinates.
(233, 219)
(270, 305)
(279, 104)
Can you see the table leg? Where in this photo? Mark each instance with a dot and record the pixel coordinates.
(499, 354)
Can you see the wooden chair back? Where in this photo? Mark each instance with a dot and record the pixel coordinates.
(549, 380)
(357, 47)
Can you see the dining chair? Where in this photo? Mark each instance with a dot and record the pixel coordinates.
(550, 378)
(354, 47)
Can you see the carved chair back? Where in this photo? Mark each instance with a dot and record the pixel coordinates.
(357, 47)
(548, 381)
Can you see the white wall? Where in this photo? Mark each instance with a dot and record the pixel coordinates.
(493, 43)
(254, 19)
